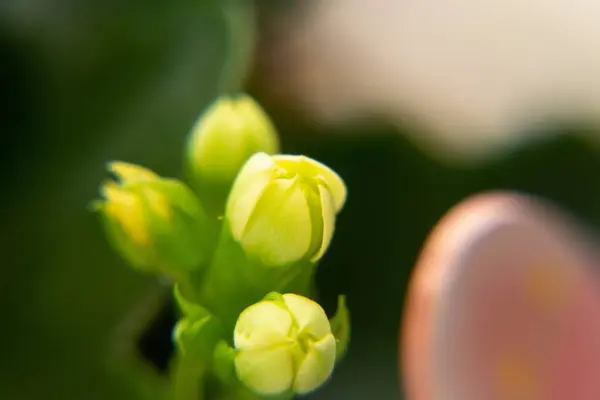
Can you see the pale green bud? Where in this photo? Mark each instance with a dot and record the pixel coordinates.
(153, 222)
(282, 208)
(284, 345)
(225, 136)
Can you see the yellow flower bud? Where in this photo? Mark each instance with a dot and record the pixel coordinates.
(284, 346)
(126, 209)
(153, 222)
(225, 136)
(282, 208)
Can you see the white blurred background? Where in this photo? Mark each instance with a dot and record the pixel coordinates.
(470, 78)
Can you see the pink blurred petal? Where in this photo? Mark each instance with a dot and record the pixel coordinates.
(504, 304)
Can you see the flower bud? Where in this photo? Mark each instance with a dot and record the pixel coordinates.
(225, 136)
(282, 208)
(153, 222)
(284, 345)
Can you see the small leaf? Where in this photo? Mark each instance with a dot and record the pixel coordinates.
(223, 363)
(274, 296)
(340, 327)
(188, 308)
(197, 338)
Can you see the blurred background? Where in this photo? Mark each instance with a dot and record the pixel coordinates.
(88, 81)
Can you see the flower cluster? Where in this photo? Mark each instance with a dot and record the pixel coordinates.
(246, 225)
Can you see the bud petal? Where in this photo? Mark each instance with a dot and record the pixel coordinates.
(310, 317)
(260, 325)
(127, 172)
(282, 209)
(316, 170)
(126, 209)
(328, 216)
(125, 225)
(281, 201)
(257, 173)
(268, 372)
(317, 366)
(284, 346)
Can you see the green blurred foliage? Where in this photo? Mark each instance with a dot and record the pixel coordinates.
(85, 82)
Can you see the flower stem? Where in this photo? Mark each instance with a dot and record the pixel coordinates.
(187, 379)
(241, 25)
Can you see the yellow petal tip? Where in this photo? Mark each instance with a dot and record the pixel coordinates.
(127, 172)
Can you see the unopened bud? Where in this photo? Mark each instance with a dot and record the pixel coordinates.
(154, 223)
(284, 346)
(225, 136)
(282, 208)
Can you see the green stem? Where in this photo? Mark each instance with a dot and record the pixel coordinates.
(233, 281)
(240, 18)
(187, 380)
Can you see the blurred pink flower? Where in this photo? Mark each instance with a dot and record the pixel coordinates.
(504, 304)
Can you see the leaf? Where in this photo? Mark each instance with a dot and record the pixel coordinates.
(223, 363)
(197, 338)
(188, 308)
(340, 327)
(274, 296)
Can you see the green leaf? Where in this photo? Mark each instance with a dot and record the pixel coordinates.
(223, 363)
(340, 327)
(274, 296)
(197, 338)
(187, 307)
